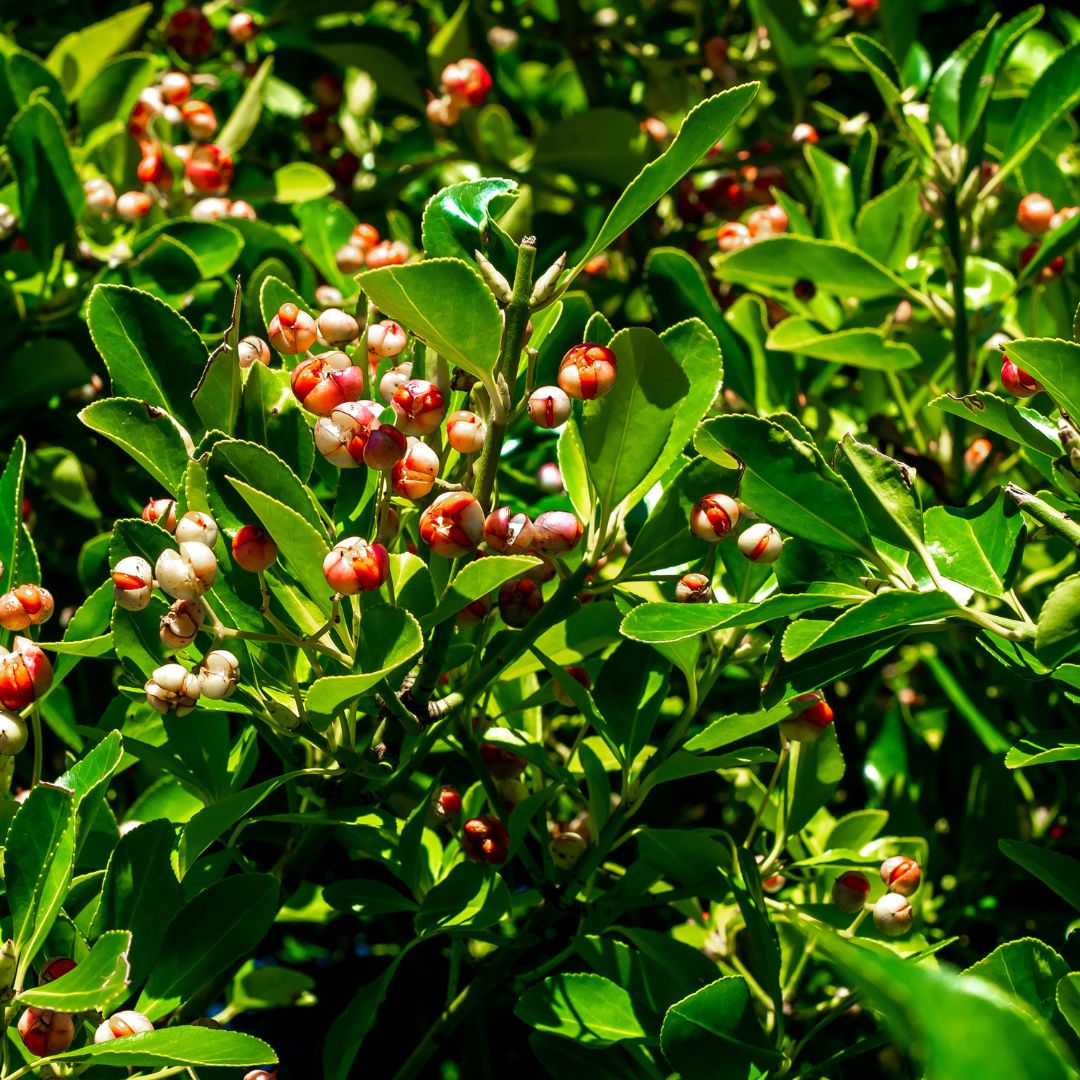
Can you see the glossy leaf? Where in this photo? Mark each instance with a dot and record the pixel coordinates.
(327, 225)
(1028, 969)
(1043, 748)
(863, 347)
(77, 57)
(182, 1045)
(469, 898)
(602, 144)
(1058, 631)
(100, 981)
(1060, 872)
(1023, 425)
(885, 489)
(1054, 363)
(476, 580)
(150, 436)
(241, 124)
(588, 1008)
(354, 1023)
(456, 220)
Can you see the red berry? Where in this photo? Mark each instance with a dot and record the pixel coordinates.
(1034, 214)
(485, 840)
(253, 549)
(587, 371)
(467, 82)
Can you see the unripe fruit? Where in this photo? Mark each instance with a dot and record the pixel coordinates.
(732, 235)
(162, 512)
(453, 524)
(447, 803)
(133, 205)
(199, 118)
(388, 253)
(252, 350)
(893, 915)
(555, 532)
(850, 891)
(485, 840)
(342, 437)
(100, 195)
(714, 517)
(549, 406)
(25, 675)
(337, 327)
(414, 475)
(508, 533)
(13, 733)
(45, 1032)
(977, 453)
(1017, 381)
(349, 259)
(761, 543)
(519, 601)
(291, 330)
(364, 236)
(133, 583)
(189, 32)
(324, 383)
(768, 221)
(1034, 214)
(579, 675)
(172, 688)
(566, 849)
(355, 566)
(25, 605)
(467, 82)
(808, 723)
(209, 169)
(549, 478)
(804, 133)
(394, 378)
(419, 405)
(186, 574)
(253, 549)
(656, 129)
(901, 875)
(597, 266)
(693, 589)
(385, 447)
(242, 27)
(197, 525)
(218, 674)
(587, 371)
(443, 111)
(213, 208)
(466, 432)
(385, 339)
(327, 296)
(175, 87)
(122, 1024)
(502, 763)
(181, 623)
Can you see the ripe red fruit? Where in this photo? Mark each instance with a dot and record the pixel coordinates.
(863, 10)
(253, 549)
(850, 890)
(508, 533)
(807, 724)
(766, 222)
(189, 32)
(419, 405)
(1034, 214)
(175, 87)
(355, 566)
(153, 170)
(485, 840)
(466, 432)
(209, 169)
(693, 589)
(133, 205)
(325, 382)
(579, 675)
(387, 253)
(414, 475)
(25, 605)
(161, 511)
(713, 517)
(242, 27)
(199, 119)
(386, 446)
(467, 82)
(453, 524)
(732, 235)
(519, 601)
(587, 371)
(447, 802)
(801, 133)
(364, 236)
(25, 675)
(901, 875)
(1017, 381)
(549, 406)
(54, 968)
(45, 1032)
(555, 532)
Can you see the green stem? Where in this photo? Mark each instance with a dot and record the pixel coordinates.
(961, 338)
(39, 750)
(781, 761)
(1045, 514)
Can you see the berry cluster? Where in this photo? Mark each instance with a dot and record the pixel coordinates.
(25, 672)
(464, 85)
(893, 913)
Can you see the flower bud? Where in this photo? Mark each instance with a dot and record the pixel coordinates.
(549, 479)
(322, 383)
(388, 253)
(850, 891)
(337, 327)
(210, 209)
(55, 968)
(100, 195)
(893, 915)
(549, 407)
(804, 133)
(133, 205)
(901, 875)
(349, 259)
(447, 803)
(714, 517)
(519, 600)
(186, 574)
(1034, 214)
(253, 549)
(466, 432)
(218, 674)
(1017, 381)
(485, 840)
(172, 688)
(13, 733)
(133, 583)
(181, 623)
(197, 525)
(45, 1032)
(732, 235)
(25, 605)
(467, 82)
(414, 475)
(419, 405)
(385, 447)
(122, 1024)
(385, 340)
(161, 512)
(812, 716)
(508, 533)
(199, 119)
(761, 543)
(242, 27)
(355, 566)
(252, 350)
(587, 371)
(453, 524)
(342, 437)
(291, 330)
(555, 532)
(693, 589)
(580, 676)
(393, 378)
(567, 849)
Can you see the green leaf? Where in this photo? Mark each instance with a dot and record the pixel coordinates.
(113, 91)
(716, 1023)
(150, 436)
(1027, 969)
(216, 245)
(469, 897)
(703, 126)
(1068, 999)
(955, 1025)
(1055, 363)
(11, 513)
(446, 304)
(79, 56)
(100, 982)
(835, 196)
(478, 579)
(1025, 426)
(37, 382)
(863, 347)
(814, 774)
(587, 1008)
(729, 729)
(887, 226)
(885, 489)
(456, 220)
(152, 353)
(624, 433)
(354, 1023)
(1058, 631)
(271, 417)
(603, 144)
(780, 261)
(39, 856)
(228, 920)
(979, 545)
(300, 181)
(788, 483)
(1060, 872)
(50, 193)
(762, 941)
(245, 117)
(1043, 748)
(790, 28)
(184, 1045)
(879, 63)
(326, 225)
